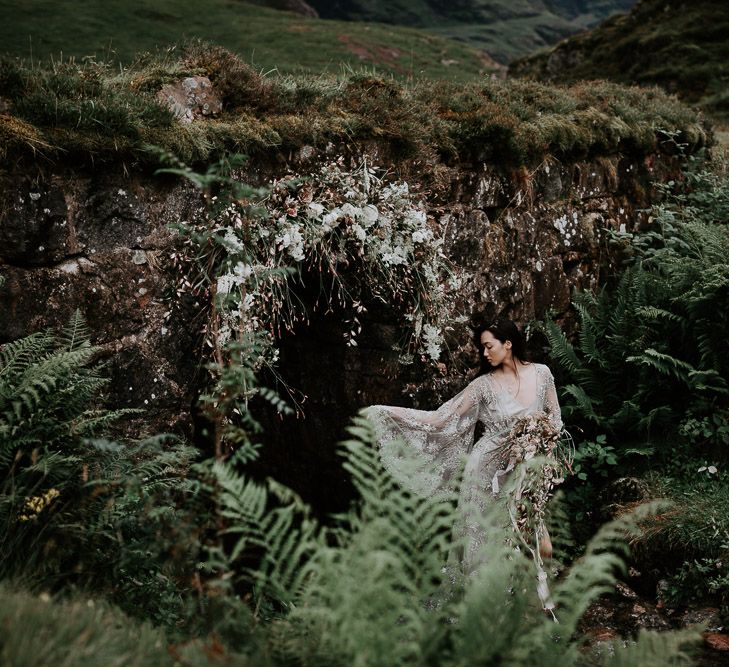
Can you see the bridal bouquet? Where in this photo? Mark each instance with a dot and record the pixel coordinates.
(534, 437)
(531, 437)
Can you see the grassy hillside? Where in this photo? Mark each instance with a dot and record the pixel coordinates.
(682, 47)
(116, 30)
(503, 28)
(94, 112)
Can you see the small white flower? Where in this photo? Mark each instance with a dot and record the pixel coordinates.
(359, 232)
(247, 302)
(415, 217)
(422, 235)
(232, 242)
(314, 209)
(455, 282)
(331, 217)
(297, 253)
(433, 340)
(369, 215)
(348, 209)
(243, 270)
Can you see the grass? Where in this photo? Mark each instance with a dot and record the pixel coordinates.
(690, 541)
(41, 631)
(116, 30)
(92, 112)
(74, 633)
(682, 48)
(698, 524)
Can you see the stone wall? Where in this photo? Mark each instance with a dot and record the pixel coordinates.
(101, 242)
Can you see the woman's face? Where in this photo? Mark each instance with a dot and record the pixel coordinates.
(494, 350)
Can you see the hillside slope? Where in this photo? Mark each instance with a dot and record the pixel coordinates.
(681, 46)
(117, 30)
(503, 28)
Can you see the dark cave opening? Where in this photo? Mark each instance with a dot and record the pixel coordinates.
(330, 381)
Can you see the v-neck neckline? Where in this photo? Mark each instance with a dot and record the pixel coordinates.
(514, 399)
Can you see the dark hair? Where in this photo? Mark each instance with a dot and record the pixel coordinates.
(503, 330)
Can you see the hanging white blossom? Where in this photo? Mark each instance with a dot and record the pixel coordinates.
(328, 219)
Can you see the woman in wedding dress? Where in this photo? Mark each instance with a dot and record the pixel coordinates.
(425, 451)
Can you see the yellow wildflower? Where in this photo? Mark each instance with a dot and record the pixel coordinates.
(36, 504)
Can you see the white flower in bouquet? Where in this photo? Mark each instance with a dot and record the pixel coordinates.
(314, 209)
(368, 215)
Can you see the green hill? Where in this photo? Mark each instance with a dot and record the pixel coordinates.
(505, 29)
(680, 46)
(117, 30)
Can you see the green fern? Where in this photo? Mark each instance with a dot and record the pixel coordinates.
(48, 387)
(269, 522)
(663, 364)
(562, 350)
(76, 333)
(652, 649)
(374, 591)
(16, 356)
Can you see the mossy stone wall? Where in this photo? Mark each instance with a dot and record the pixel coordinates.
(101, 241)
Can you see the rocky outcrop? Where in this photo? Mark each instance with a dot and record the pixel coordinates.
(191, 99)
(104, 243)
(101, 244)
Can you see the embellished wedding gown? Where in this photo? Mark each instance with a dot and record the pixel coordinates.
(426, 450)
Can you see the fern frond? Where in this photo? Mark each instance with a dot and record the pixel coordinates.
(19, 354)
(93, 423)
(656, 313)
(562, 350)
(708, 381)
(664, 364)
(589, 332)
(75, 334)
(583, 404)
(653, 649)
(38, 382)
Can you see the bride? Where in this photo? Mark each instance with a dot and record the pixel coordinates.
(425, 451)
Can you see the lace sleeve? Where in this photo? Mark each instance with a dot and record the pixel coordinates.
(422, 449)
(551, 403)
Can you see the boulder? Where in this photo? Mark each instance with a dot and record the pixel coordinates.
(191, 99)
